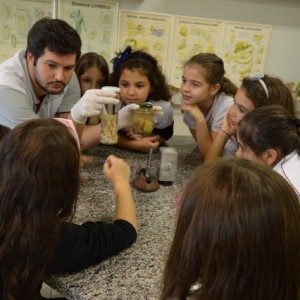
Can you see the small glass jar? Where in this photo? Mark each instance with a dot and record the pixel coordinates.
(143, 119)
(109, 121)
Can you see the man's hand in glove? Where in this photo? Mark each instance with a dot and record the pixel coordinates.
(91, 104)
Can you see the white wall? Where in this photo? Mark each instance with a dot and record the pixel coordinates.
(283, 58)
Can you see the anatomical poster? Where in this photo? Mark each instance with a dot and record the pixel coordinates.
(244, 49)
(95, 21)
(16, 19)
(192, 36)
(146, 31)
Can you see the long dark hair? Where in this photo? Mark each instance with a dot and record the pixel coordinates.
(91, 59)
(39, 183)
(146, 65)
(237, 235)
(270, 126)
(214, 71)
(278, 92)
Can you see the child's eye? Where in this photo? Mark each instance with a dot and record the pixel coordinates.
(123, 84)
(140, 86)
(195, 84)
(242, 110)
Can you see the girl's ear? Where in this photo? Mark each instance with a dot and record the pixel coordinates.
(270, 156)
(214, 89)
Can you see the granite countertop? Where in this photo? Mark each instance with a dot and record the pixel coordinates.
(136, 272)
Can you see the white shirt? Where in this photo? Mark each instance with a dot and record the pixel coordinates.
(289, 168)
(18, 99)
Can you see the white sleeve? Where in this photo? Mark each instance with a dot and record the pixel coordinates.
(14, 107)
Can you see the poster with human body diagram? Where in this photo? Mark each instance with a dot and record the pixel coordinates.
(147, 32)
(95, 21)
(192, 36)
(245, 49)
(16, 19)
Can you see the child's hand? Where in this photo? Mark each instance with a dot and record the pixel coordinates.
(144, 144)
(226, 126)
(116, 170)
(194, 111)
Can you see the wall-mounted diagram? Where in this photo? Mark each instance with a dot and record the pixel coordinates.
(147, 32)
(16, 19)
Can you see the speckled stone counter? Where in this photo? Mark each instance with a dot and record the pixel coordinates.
(136, 272)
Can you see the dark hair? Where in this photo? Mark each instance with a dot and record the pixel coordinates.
(89, 60)
(237, 235)
(54, 35)
(4, 130)
(214, 71)
(279, 94)
(39, 183)
(268, 127)
(146, 65)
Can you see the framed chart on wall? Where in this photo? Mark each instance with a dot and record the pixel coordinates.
(16, 19)
(95, 21)
(192, 36)
(244, 49)
(146, 31)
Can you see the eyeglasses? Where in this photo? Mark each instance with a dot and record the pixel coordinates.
(259, 76)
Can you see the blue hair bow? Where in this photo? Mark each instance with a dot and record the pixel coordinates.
(122, 57)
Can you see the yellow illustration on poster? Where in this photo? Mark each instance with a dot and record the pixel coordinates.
(16, 19)
(192, 36)
(96, 23)
(244, 49)
(146, 31)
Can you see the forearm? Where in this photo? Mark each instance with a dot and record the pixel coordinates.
(203, 136)
(217, 147)
(125, 207)
(126, 143)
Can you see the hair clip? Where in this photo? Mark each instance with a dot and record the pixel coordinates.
(122, 57)
(258, 76)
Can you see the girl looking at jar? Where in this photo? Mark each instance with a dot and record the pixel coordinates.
(141, 80)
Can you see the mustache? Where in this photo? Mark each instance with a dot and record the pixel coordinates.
(57, 82)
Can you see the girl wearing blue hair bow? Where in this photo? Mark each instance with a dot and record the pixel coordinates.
(140, 79)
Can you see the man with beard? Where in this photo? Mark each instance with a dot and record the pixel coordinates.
(41, 82)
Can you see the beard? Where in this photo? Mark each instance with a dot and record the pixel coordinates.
(49, 87)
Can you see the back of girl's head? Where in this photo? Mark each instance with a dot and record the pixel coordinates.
(146, 65)
(214, 71)
(268, 127)
(4, 130)
(40, 168)
(39, 182)
(277, 92)
(238, 235)
(89, 60)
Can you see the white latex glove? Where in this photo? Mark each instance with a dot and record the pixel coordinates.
(125, 118)
(125, 115)
(91, 104)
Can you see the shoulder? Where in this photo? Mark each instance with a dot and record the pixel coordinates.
(13, 71)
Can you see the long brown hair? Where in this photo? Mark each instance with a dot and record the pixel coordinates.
(214, 71)
(39, 183)
(237, 235)
(278, 92)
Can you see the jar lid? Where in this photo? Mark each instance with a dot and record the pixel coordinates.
(146, 105)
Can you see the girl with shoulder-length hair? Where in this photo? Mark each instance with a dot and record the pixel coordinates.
(271, 135)
(39, 184)
(237, 236)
